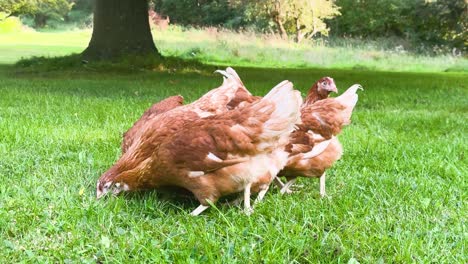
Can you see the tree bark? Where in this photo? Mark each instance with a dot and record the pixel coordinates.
(120, 27)
(40, 20)
(276, 15)
(313, 32)
(299, 34)
(279, 23)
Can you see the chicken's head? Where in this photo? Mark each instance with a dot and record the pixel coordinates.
(320, 90)
(111, 181)
(326, 85)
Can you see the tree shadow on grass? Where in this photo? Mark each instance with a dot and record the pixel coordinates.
(129, 64)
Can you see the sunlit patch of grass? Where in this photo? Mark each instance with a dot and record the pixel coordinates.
(254, 50)
(398, 195)
(212, 46)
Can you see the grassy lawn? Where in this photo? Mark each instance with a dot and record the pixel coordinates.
(15, 46)
(397, 196)
(243, 49)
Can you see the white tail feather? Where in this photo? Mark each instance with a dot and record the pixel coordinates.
(231, 75)
(226, 91)
(231, 78)
(234, 75)
(226, 76)
(317, 150)
(349, 100)
(350, 97)
(286, 114)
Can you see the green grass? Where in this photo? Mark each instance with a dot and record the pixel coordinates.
(397, 196)
(21, 45)
(215, 47)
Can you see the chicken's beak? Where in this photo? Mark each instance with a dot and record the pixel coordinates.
(332, 88)
(99, 194)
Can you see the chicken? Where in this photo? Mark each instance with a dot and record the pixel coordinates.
(320, 90)
(241, 94)
(211, 155)
(156, 109)
(314, 146)
(168, 122)
(299, 139)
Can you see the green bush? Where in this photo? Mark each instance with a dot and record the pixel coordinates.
(10, 24)
(439, 24)
(80, 18)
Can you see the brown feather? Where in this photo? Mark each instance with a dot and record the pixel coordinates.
(156, 109)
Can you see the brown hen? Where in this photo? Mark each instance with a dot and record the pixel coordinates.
(300, 140)
(314, 146)
(209, 155)
(164, 124)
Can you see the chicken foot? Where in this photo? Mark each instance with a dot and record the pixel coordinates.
(280, 185)
(278, 182)
(236, 202)
(199, 210)
(287, 185)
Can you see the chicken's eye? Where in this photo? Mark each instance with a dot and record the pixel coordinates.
(324, 83)
(107, 185)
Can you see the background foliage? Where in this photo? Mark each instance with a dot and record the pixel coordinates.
(418, 24)
(440, 22)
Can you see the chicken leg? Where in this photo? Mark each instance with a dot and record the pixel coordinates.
(286, 186)
(280, 185)
(247, 208)
(322, 185)
(261, 195)
(236, 202)
(278, 182)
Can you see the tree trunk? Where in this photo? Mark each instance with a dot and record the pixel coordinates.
(299, 34)
(120, 27)
(312, 34)
(40, 20)
(276, 15)
(279, 23)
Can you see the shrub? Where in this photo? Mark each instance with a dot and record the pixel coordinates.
(10, 24)
(80, 18)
